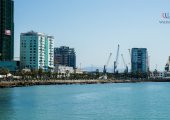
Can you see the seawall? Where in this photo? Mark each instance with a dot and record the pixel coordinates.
(8, 84)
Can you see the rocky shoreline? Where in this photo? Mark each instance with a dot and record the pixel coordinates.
(9, 84)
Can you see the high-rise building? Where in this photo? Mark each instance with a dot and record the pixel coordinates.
(65, 56)
(139, 60)
(6, 30)
(36, 50)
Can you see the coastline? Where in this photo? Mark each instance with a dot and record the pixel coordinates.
(10, 84)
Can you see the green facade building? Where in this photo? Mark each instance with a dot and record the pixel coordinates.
(36, 51)
(6, 30)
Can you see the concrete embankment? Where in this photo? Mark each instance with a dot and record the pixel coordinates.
(7, 84)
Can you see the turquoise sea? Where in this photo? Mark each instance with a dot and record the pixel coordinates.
(120, 101)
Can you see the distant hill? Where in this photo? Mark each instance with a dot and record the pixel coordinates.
(89, 69)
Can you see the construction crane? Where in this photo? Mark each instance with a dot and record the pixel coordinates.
(129, 52)
(105, 68)
(126, 67)
(167, 65)
(116, 61)
(130, 57)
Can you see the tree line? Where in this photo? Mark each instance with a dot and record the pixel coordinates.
(40, 74)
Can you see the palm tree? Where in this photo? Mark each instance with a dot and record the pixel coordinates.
(49, 74)
(19, 74)
(59, 75)
(34, 74)
(40, 72)
(28, 75)
(67, 74)
(62, 76)
(4, 71)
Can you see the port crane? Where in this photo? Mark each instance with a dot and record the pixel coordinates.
(130, 57)
(167, 65)
(116, 61)
(104, 76)
(126, 67)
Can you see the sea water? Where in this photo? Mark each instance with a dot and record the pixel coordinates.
(119, 101)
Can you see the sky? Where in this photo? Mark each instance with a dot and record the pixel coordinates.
(95, 28)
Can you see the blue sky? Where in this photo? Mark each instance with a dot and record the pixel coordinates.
(95, 27)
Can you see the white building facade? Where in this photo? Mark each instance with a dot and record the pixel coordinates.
(63, 69)
(157, 75)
